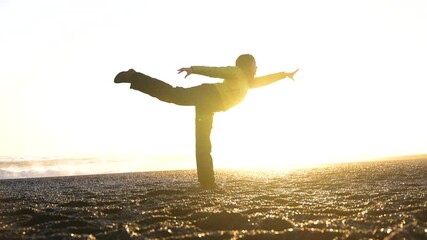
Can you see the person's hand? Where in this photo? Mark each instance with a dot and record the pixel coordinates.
(291, 75)
(187, 70)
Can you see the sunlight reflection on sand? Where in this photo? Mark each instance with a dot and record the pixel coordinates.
(371, 200)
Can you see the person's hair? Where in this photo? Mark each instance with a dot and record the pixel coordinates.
(245, 61)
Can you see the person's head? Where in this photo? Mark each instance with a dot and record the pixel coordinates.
(247, 63)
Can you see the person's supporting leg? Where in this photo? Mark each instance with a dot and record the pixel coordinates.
(205, 172)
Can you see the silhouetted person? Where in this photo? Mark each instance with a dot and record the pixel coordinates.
(207, 99)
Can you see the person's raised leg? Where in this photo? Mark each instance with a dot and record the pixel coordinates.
(205, 172)
(146, 84)
(159, 89)
(205, 94)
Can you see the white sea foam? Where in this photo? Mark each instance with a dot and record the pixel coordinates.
(31, 167)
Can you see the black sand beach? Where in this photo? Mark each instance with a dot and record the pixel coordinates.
(371, 200)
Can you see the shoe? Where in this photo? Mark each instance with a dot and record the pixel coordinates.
(124, 77)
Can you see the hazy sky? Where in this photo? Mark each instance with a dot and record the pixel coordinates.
(360, 92)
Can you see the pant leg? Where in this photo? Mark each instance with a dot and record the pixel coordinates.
(203, 95)
(153, 87)
(205, 172)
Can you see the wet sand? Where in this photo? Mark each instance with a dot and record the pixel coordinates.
(372, 200)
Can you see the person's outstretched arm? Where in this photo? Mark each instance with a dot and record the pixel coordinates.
(271, 78)
(214, 72)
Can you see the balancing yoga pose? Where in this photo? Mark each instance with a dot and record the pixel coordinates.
(207, 99)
